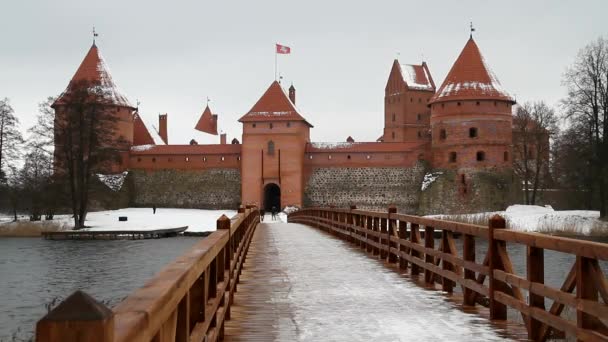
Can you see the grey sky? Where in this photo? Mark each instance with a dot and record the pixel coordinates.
(171, 55)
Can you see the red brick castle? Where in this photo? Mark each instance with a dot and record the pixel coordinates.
(444, 150)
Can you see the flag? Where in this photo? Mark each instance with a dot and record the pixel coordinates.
(282, 49)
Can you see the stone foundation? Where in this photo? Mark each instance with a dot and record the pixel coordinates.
(202, 189)
(367, 188)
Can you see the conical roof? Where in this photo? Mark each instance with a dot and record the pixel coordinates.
(93, 69)
(274, 105)
(207, 122)
(470, 79)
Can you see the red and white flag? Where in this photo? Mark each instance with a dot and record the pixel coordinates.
(283, 50)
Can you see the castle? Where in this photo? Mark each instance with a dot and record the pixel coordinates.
(442, 150)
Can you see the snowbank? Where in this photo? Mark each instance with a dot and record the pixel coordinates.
(197, 220)
(533, 218)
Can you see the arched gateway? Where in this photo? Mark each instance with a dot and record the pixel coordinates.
(272, 197)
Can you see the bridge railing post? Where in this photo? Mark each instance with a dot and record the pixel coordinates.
(429, 243)
(384, 243)
(78, 318)
(498, 310)
(402, 249)
(350, 221)
(392, 223)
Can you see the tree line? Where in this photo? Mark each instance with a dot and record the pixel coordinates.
(72, 140)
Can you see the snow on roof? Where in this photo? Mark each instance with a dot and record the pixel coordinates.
(114, 182)
(471, 78)
(416, 77)
(95, 70)
(152, 130)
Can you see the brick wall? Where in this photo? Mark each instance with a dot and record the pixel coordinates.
(367, 188)
(204, 189)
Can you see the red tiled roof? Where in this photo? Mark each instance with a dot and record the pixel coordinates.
(207, 122)
(186, 149)
(141, 135)
(363, 147)
(470, 79)
(417, 77)
(93, 69)
(274, 105)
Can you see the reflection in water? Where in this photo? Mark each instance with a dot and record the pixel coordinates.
(35, 271)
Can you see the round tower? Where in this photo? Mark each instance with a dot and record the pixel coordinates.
(471, 120)
(93, 73)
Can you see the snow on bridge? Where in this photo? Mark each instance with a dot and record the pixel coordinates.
(298, 284)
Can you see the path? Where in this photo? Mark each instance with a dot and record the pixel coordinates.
(300, 284)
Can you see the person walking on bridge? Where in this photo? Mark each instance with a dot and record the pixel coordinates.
(274, 213)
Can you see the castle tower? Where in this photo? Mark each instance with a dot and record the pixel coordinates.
(471, 116)
(94, 71)
(207, 122)
(406, 114)
(272, 152)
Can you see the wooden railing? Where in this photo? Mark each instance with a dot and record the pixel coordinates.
(397, 239)
(189, 300)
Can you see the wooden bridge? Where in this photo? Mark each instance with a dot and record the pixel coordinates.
(348, 274)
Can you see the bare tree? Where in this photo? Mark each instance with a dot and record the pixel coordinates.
(85, 140)
(42, 133)
(10, 138)
(36, 182)
(587, 102)
(535, 124)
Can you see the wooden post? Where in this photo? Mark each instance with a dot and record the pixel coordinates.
(383, 236)
(585, 289)
(376, 229)
(79, 318)
(429, 242)
(402, 249)
(536, 273)
(415, 238)
(392, 256)
(468, 254)
(497, 310)
(368, 237)
(350, 221)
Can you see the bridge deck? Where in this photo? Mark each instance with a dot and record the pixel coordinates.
(298, 284)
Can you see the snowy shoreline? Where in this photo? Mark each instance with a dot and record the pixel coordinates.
(197, 220)
(533, 218)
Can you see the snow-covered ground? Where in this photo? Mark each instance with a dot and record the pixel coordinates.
(197, 220)
(535, 218)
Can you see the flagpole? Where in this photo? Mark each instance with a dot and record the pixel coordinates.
(275, 62)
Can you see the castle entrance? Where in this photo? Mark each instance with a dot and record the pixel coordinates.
(272, 197)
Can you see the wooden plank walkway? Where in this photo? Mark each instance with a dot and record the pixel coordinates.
(299, 284)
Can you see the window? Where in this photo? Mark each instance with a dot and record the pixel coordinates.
(477, 103)
(310, 156)
(453, 157)
(270, 125)
(458, 103)
(138, 159)
(170, 159)
(393, 117)
(418, 117)
(223, 158)
(411, 99)
(393, 135)
(419, 100)
(481, 155)
(204, 159)
(288, 124)
(253, 125)
(494, 103)
(419, 134)
(443, 105)
(329, 157)
(368, 157)
(348, 157)
(442, 134)
(473, 132)
(506, 156)
(271, 148)
(187, 159)
(238, 158)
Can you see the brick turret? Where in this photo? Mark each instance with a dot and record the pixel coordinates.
(471, 116)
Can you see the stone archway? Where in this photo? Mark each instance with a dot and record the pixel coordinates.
(272, 197)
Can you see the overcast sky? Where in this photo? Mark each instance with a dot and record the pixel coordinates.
(171, 55)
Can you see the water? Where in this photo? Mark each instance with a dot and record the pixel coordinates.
(35, 271)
